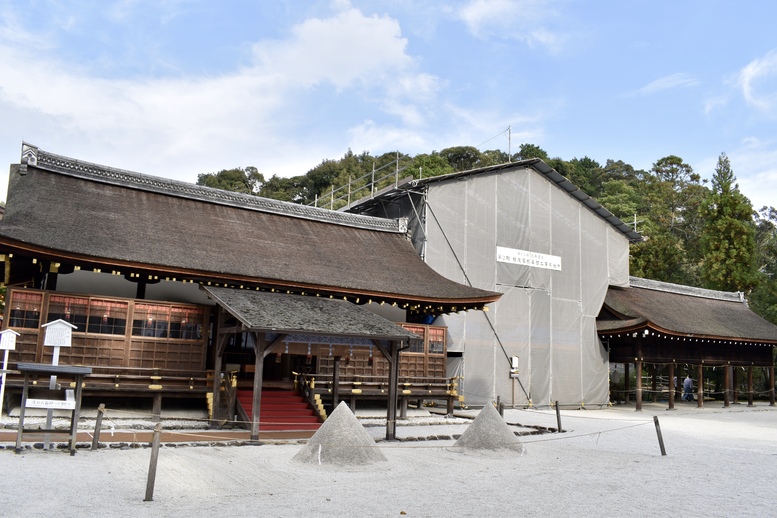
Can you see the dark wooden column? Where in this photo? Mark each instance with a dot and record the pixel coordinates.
(392, 357)
(750, 385)
(256, 405)
(771, 385)
(638, 397)
(734, 386)
(726, 386)
(391, 414)
(700, 386)
(671, 386)
(218, 355)
(626, 383)
(336, 383)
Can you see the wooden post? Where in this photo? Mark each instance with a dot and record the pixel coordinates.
(221, 344)
(336, 382)
(152, 463)
(750, 385)
(638, 397)
(558, 418)
(726, 386)
(671, 386)
(734, 385)
(75, 415)
(660, 437)
(98, 426)
(391, 413)
(700, 386)
(771, 385)
(156, 408)
(258, 368)
(626, 383)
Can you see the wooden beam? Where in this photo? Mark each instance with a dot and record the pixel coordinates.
(771, 385)
(672, 386)
(272, 345)
(232, 330)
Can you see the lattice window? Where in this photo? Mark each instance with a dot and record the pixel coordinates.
(436, 338)
(25, 309)
(107, 317)
(151, 320)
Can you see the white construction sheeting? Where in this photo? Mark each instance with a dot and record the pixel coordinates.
(546, 317)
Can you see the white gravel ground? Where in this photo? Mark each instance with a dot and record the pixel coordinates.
(719, 462)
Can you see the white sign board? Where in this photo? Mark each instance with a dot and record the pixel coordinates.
(58, 333)
(8, 340)
(54, 404)
(526, 258)
(69, 403)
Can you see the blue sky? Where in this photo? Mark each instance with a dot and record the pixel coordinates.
(175, 88)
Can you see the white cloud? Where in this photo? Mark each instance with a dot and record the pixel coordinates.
(754, 80)
(523, 20)
(346, 49)
(670, 82)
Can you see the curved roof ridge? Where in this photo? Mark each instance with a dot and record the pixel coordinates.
(41, 159)
(668, 287)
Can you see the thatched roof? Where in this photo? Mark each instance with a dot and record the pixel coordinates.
(60, 208)
(683, 311)
(282, 313)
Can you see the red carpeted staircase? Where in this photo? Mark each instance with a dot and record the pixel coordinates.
(280, 410)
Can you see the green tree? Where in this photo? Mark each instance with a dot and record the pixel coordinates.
(527, 151)
(763, 298)
(431, 164)
(247, 181)
(670, 198)
(462, 158)
(588, 175)
(728, 241)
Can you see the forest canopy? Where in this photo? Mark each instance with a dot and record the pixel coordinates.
(698, 233)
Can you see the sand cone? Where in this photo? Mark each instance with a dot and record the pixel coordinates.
(489, 432)
(341, 440)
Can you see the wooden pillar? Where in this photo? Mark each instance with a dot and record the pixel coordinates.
(771, 385)
(391, 412)
(156, 408)
(700, 386)
(221, 344)
(626, 383)
(671, 386)
(750, 385)
(336, 383)
(256, 409)
(726, 386)
(638, 397)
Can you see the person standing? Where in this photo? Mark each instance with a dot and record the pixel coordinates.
(688, 388)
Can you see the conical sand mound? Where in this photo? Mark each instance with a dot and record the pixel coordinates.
(341, 441)
(489, 432)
